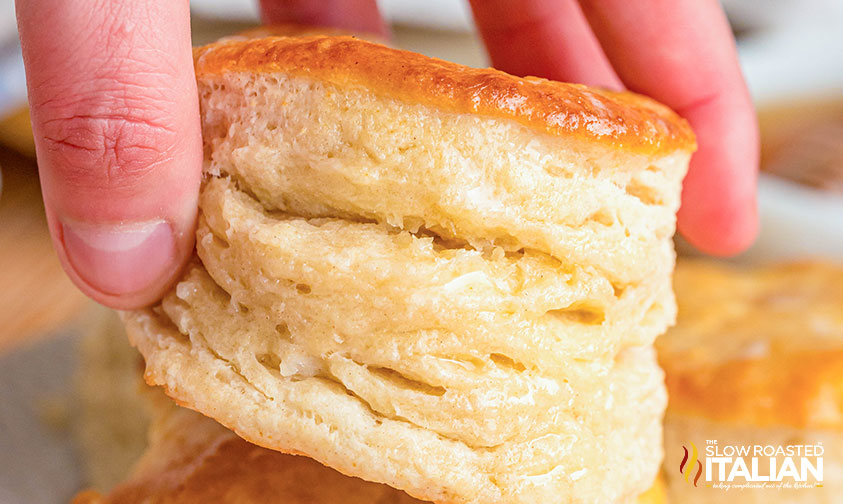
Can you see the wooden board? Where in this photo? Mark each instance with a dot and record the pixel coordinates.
(36, 297)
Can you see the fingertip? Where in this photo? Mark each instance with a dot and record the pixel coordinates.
(357, 16)
(683, 54)
(718, 228)
(719, 213)
(543, 38)
(115, 117)
(123, 266)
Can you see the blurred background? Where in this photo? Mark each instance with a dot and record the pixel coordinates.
(792, 55)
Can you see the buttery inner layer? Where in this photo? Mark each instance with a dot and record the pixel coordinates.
(449, 339)
(311, 149)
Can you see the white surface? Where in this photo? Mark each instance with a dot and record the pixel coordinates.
(12, 77)
(441, 14)
(789, 66)
(773, 14)
(39, 463)
(244, 10)
(794, 63)
(12, 85)
(8, 26)
(796, 222)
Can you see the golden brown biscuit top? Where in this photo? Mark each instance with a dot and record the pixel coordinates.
(622, 120)
(762, 346)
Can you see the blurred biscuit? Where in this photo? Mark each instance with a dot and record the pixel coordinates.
(111, 412)
(440, 278)
(756, 358)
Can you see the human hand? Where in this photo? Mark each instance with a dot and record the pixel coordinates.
(680, 52)
(115, 114)
(115, 117)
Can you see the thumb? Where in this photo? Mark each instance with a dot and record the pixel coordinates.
(116, 122)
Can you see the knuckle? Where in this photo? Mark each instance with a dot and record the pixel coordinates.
(106, 149)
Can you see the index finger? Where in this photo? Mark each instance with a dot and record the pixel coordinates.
(115, 116)
(544, 38)
(682, 53)
(353, 15)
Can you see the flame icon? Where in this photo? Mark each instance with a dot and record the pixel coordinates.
(688, 463)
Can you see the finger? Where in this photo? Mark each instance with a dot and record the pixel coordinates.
(544, 38)
(682, 53)
(351, 15)
(116, 123)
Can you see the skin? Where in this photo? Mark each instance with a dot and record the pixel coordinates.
(116, 120)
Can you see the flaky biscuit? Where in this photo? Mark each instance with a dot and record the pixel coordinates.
(439, 278)
(768, 340)
(473, 154)
(756, 358)
(192, 459)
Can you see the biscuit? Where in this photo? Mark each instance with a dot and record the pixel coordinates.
(756, 358)
(443, 279)
(110, 417)
(193, 459)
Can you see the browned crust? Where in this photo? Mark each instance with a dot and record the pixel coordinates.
(193, 459)
(622, 120)
(228, 469)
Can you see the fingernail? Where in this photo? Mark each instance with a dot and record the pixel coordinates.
(119, 259)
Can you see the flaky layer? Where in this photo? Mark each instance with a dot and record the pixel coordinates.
(489, 366)
(758, 347)
(221, 362)
(311, 148)
(368, 280)
(193, 459)
(387, 346)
